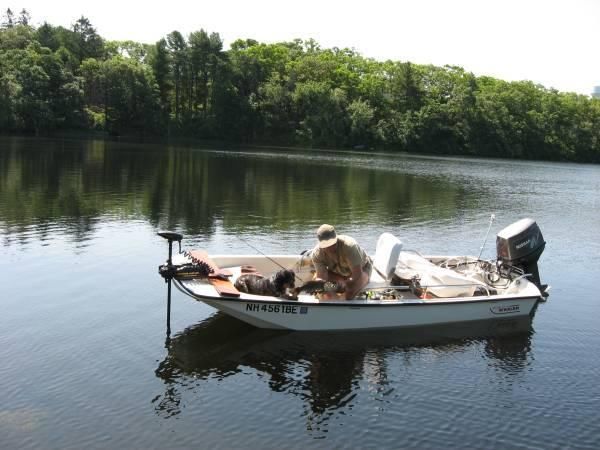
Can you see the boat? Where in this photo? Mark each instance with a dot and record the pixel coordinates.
(406, 289)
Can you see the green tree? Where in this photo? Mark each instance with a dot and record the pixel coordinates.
(46, 35)
(9, 19)
(34, 106)
(276, 107)
(361, 123)
(160, 61)
(24, 17)
(10, 91)
(54, 78)
(132, 97)
(180, 70)
(263, 89)
(89, 43)
(322, 114)
(16, 37)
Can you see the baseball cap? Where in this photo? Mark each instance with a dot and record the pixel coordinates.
(326, 235)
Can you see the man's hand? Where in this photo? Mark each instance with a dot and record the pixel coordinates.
(356, 282)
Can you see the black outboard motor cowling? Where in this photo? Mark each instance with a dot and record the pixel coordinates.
(521, 245)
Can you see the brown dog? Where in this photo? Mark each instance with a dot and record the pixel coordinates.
(276, 285)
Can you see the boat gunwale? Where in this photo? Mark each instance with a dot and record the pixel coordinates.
(356, 302)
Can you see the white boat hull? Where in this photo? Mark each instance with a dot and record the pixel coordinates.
(353, 315)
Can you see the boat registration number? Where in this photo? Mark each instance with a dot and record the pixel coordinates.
(278, 309)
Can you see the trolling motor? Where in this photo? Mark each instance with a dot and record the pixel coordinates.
(520, 245)
(168, 270)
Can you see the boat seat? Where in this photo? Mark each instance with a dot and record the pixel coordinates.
(386, 256)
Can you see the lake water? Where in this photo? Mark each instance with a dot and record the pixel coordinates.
(83, 356)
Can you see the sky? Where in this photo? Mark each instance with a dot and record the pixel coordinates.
(551, 42)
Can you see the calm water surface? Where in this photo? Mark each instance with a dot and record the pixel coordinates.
(83, 358)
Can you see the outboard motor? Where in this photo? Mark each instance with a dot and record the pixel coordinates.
(521, 245)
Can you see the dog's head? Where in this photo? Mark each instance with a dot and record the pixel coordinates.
(284, 279)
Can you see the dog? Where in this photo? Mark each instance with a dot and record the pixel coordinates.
(276, 285)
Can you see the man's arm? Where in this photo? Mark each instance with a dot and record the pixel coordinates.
(320, 269)
(355, 283)
(321, 273)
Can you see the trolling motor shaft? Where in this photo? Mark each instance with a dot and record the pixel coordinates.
(167, 271)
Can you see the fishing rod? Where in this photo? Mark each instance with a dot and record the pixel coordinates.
(267, 256)
(492, 217)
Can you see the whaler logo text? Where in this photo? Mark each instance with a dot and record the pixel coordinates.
(505, 309)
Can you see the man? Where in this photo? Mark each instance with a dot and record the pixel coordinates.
(341, 259)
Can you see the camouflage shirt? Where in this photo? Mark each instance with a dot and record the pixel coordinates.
(348, 254)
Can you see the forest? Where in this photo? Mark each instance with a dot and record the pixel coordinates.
(56, 80)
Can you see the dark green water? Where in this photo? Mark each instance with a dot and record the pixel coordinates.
(82, 327)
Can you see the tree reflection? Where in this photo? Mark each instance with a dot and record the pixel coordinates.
(324, 369)
(76, 183)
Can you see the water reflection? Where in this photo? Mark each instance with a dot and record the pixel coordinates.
(323, 369)
(75, 183)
